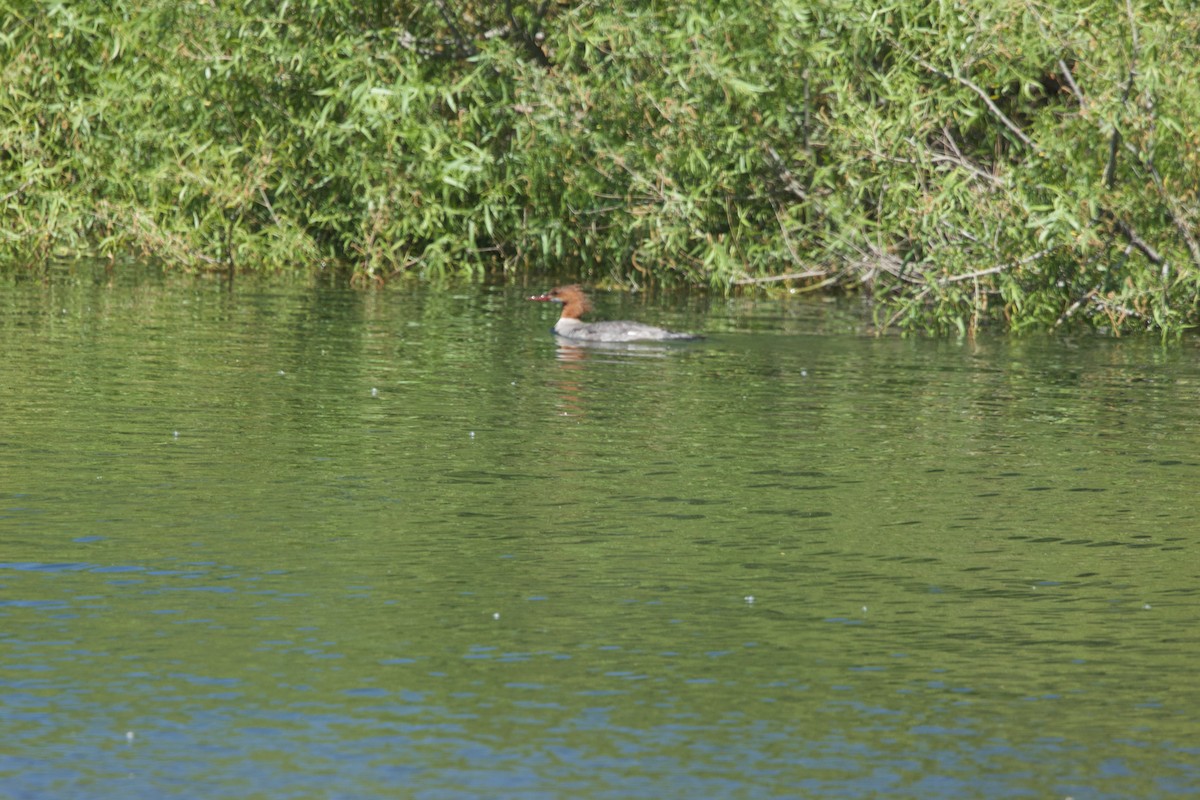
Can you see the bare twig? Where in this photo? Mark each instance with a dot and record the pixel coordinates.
(16, 191)
(958, 232)
(791, 276)
(1070, 79)
(1108, 308)
(1181, 225)
(1114, 142)
(976, 306)
(267, 204)
(405, 267)
(818, 286)
(146, 233)
(966, 276)
(1138, 242)
(1133, 32)
(1146, 161)
(787, 238)
(873, 260)
(983, 95)
(441, 48)
(527, 37)
(918, 297)
(781, 169)
(451, 19)
(1074, 307)
(959, 160)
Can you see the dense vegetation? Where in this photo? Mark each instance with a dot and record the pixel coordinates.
(1014, 162)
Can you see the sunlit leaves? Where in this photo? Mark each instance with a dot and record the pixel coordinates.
(1026, 164)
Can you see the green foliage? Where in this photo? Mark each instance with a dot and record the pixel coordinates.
(966, 164)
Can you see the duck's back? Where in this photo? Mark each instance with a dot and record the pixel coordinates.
(616, 331)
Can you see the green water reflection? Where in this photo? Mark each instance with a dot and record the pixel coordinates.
(300, 541)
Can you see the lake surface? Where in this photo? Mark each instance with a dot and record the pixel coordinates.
(294, 541)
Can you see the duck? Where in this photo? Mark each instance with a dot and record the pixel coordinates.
(575, 304)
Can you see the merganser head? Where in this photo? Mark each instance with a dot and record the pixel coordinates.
(575, 302)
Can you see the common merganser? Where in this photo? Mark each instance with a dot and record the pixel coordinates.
(575, 304)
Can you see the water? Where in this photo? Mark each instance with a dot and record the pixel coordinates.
(295, 541)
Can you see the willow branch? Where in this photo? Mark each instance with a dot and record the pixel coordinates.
(450, 18)
(1078, 304)
(528, 39)
(1065, 69)
(983, 95)
(1114, 142)
(900, 313)
(791, 276)
(16, 191)
(1138, 242)
(966, 276)
(1181, 225)
(781, 169)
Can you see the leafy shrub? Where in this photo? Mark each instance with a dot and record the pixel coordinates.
(1001, 163)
